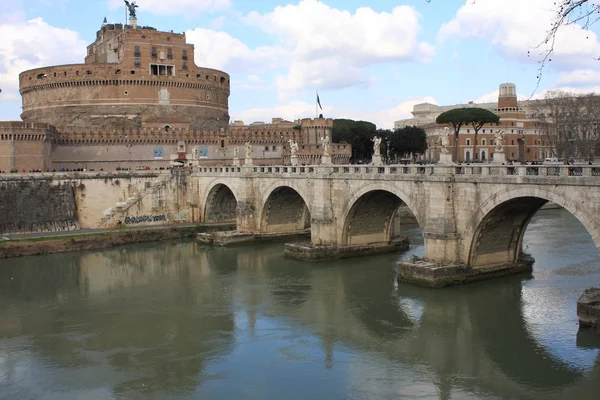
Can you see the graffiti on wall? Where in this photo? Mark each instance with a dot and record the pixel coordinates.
(37, 206)
(40, 226)
(145, 218)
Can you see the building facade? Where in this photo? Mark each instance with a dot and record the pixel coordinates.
(525, 139)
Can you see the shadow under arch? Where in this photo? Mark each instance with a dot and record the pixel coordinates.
(220, 204)
(495, 232)
(369, 214)
(284, 210)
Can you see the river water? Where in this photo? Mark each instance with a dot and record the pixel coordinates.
(183, 321)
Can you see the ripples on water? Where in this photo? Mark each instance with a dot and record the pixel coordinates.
(178, 320)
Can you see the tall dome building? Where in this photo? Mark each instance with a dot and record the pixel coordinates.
(133, 78)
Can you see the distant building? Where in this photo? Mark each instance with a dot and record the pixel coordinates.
(524, 138)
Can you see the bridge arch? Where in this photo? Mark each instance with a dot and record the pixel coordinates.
(494, 234)
(284, 209)
(368, 214)
(220, 203)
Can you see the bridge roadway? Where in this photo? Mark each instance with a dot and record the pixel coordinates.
(470, 215)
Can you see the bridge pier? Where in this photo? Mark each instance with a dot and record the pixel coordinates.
(434, 275)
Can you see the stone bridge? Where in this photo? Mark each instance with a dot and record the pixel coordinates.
(473, 218)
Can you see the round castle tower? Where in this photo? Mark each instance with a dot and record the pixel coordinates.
(132, 78)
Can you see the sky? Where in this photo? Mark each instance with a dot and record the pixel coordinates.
(371, 60)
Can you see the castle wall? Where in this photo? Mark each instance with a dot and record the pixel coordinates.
(25, 147)
(37, 206)
(132, 78)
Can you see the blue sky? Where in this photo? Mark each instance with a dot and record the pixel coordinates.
(368, 60)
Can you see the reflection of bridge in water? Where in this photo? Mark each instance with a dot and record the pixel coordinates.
(160, 315)
(481, 319)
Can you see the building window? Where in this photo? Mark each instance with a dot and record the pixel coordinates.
(468, 142)
(136, 51)
(162, 70)
(483, 142)
(137, 62)
(184, 54)
(468, 131)
(274, 148)
(154, 52)
(169, 54)
(184, 65)
(266, 148)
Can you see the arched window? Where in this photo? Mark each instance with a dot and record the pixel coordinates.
(468, 156)
(483, 155)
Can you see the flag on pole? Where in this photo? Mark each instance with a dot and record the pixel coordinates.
(319, 101)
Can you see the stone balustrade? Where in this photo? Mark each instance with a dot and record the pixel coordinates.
(416, 170)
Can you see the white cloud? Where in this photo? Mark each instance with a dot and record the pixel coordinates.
(24, 45)
(517, 26)
(222, 51)
(579, 78)
(171, 7)
(384, 119)
(493, 97)
(218, 23)
(330, 47)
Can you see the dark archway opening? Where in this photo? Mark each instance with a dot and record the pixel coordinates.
(374, 218)
(221, 205)
(499, 237)
(285, 212)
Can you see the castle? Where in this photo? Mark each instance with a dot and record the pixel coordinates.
(140, 100)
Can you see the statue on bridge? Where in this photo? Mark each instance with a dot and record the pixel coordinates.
(499, 139)
(195, 153)
(248, 150)
(293, 147)
(236, 152)
(131, 7)
(326, 145)
(376, 145)
(445, 139)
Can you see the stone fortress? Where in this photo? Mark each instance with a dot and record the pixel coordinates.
(139, 100)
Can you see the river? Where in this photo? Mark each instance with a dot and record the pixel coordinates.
(184, 321)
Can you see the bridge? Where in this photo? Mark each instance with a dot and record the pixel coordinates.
(473, 217)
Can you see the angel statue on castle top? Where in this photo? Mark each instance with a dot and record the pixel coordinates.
(131, 7)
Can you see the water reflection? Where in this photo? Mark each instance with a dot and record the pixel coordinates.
(186, 321)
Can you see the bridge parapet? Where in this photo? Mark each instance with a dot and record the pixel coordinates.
(533, 173)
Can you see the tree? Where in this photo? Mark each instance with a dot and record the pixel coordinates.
(570, 123)
(474, 116)
(356, 133)
(480, 117)
(407, 142)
